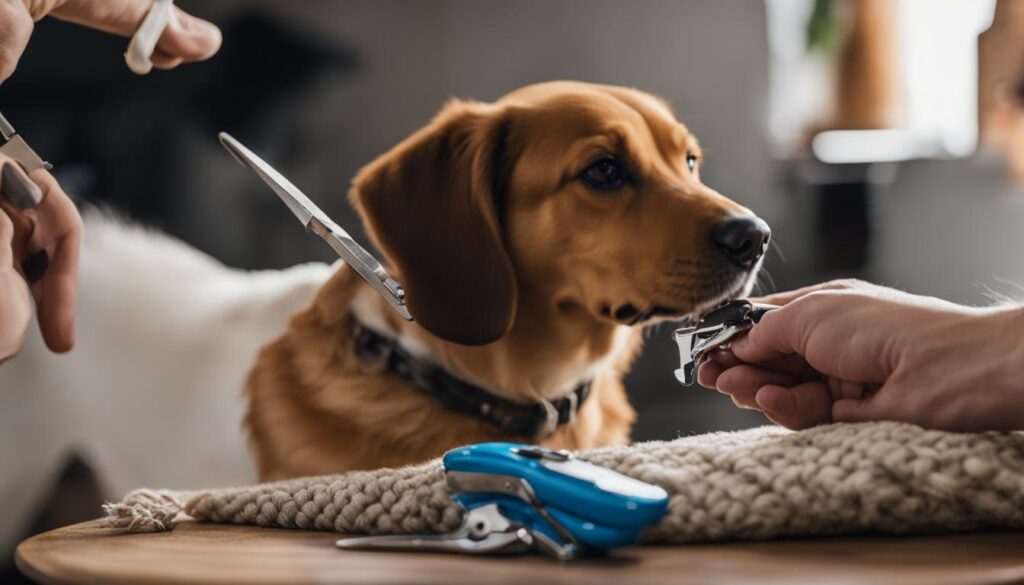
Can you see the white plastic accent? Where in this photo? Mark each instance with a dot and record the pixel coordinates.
(140, 49)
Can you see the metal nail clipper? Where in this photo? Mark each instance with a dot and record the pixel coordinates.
(320, 224)
(714, 330)
(520, 498)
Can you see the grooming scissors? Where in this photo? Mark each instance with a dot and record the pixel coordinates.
(715, 329)
(320, 224)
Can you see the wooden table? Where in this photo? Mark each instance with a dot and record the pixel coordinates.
(215, 554)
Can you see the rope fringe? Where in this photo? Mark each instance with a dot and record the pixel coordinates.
(145, 510)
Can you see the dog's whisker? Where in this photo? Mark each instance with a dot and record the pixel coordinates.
(773, 244)
(761, 283)
(764, 283)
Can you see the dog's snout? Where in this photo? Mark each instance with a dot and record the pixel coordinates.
(743, 239)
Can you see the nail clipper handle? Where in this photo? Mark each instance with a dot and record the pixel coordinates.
(500, 542)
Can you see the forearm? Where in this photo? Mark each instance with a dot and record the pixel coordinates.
(999, 389)
(1012, 363)
(999, 336)
(966, 372)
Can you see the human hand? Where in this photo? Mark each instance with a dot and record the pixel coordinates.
(38, 258)
(851, 351)
(15, 306)
(185, 39)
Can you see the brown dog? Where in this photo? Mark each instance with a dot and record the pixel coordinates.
(534, 236)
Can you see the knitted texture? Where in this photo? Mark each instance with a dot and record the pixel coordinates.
(754, 484)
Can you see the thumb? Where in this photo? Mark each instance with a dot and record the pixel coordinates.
(784, 298)
(776, 335)
(186, 38)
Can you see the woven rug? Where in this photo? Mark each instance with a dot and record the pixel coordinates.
(756, 484)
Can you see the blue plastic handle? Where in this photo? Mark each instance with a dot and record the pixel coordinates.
(600, 507)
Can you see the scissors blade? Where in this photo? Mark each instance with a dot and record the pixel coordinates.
(318, 222)
(14, 146)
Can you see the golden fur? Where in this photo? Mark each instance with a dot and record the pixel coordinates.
(514, 269)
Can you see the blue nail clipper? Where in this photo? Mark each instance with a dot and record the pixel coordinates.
(522, 497)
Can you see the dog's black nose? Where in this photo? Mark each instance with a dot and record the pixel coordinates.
(743, 239)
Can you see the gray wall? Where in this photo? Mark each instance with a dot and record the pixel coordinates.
(952, 229)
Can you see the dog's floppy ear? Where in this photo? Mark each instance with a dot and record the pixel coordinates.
(431, 206)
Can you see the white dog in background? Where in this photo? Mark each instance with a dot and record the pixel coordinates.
(152, 393)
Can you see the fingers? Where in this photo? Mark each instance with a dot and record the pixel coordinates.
(795, 366)
(708, 372)
(742, 383)
(58, 231)
(186, 38)
(44, 244)
(718, 361)
(790, 363)
(724, 357)
(15, 29)
(783, 397)
(14, 186)
(856, 410)
(6, 241)
(164, 60)
(15, 310)
(797, 407)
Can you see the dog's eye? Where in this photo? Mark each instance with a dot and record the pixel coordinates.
(691, 161)
(605, 174)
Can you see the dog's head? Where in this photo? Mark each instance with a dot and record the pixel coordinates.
(584, 197)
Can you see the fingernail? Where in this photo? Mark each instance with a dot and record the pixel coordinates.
(35, 266)
(18, 188)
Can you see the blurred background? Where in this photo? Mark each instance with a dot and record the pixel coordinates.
(881, 139)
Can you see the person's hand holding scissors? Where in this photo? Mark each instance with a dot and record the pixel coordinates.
(40, 229)
(184, 40)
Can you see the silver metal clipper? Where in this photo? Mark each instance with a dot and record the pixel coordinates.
(714, 330)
